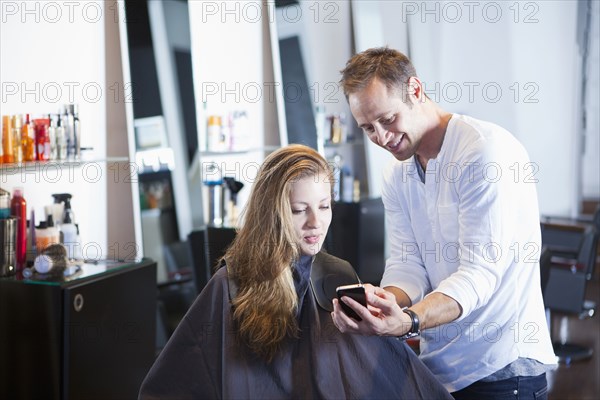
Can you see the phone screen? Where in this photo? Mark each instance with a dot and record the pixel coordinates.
(355, 292)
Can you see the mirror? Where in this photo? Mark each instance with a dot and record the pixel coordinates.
(316, 112)
(163, 112)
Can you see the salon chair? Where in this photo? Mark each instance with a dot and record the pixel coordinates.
(567, 264)
(178, 261)
(175, 294)
(207, 246)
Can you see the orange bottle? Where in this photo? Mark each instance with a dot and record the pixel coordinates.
(16, 139)
(7, 140)
(28, 141)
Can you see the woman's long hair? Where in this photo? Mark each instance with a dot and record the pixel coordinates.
(260, 258)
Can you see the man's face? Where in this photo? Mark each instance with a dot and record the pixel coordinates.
(388, 121)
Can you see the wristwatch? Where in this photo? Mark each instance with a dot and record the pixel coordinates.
(414, 328)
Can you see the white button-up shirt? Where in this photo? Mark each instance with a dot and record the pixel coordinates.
(472, 232)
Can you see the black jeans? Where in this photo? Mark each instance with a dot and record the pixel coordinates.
(516, 388)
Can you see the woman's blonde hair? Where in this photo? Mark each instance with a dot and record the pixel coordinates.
(261, 256)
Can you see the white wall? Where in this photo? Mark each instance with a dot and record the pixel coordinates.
(506, 62)
(123, 216)
(591, 157)
(47, 49)
(375, 24)
(228, 57)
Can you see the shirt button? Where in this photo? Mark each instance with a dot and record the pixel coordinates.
(515, 392)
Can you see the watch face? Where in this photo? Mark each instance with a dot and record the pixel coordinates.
(408, 335)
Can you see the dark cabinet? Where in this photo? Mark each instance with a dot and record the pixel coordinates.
(357, 235)
(88, 337)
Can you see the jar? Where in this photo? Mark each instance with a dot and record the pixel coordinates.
(4, 204)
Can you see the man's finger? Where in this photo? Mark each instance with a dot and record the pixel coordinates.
(343, 322)
(381, 300)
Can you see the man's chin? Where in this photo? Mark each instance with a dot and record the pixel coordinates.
(402, 156)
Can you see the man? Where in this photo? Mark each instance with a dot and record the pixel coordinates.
(464, 240)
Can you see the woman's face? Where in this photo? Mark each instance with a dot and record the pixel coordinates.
(310, 199)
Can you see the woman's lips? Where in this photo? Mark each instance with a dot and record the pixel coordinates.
(312, 239)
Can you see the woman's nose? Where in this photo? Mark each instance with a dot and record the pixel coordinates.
(312, 220)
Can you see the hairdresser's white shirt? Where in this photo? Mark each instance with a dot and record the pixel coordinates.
(472, 232)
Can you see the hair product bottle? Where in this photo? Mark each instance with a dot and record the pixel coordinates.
(7, 144)
(76, 131)
(52, 138)
(28, 140)
(61, 140)
(18, 209)
(42, 139)
(16, 139)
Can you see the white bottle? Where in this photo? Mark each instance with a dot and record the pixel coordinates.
(69, 232)
(347, 186)
(70, 236)
(60, 141)
(52, 135)
(213, 133)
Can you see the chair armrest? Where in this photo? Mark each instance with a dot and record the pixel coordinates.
(567, 263)
(178, 277)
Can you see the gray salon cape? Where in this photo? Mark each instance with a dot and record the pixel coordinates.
(203, 359)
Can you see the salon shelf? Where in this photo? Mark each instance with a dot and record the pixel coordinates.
(328, 145)
(12, 169)
(237, 152)
(201, 156)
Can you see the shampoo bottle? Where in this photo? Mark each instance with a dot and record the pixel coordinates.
(18, 208)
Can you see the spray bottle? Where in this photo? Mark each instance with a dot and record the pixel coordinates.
(68, 229)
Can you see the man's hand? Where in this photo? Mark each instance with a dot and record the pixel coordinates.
(382, 316)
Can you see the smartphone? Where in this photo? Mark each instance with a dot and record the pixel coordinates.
(355, 292)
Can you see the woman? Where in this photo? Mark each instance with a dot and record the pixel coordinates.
(257, 330)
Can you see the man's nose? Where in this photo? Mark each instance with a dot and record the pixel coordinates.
(381, 135)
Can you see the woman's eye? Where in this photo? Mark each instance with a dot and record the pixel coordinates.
(325, 207)
(388, 120)
(297, 211)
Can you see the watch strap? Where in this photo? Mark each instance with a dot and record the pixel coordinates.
(415, 325)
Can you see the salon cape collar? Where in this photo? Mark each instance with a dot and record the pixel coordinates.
(326, 274)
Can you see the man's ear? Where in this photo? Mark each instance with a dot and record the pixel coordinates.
(415, 90)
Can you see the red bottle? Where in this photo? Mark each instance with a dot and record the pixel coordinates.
(42, 139)
(18, 209)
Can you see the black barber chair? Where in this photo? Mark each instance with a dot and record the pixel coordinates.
(567, 263)
(207, 246)
(177, 293)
